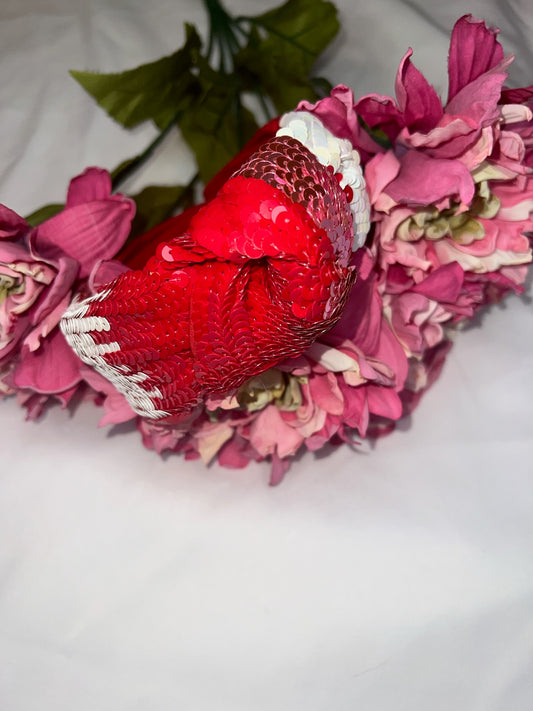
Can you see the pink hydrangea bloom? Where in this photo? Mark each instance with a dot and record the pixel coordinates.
(452, 199)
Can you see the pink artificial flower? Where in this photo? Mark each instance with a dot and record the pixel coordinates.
(40, 269)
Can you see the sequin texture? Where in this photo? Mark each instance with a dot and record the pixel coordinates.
(262, 271)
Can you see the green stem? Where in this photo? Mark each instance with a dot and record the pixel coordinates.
(221, 34)
(124, 173)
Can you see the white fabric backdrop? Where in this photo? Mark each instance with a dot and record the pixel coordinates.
(399, 577)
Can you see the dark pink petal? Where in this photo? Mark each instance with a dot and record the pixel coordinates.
(381, 112)
(474, 50)
(236, 453)
(417, 99)
(35, 404)
(517, 96)
(50, 369)
(424, 180)
(66, 396)
(337, 112)
(390, 352)
(46, 325)
(11, 224)
(67, 271)
(87, 232)
(279, 468)
(92, 185)
(355, 406)
(443, 285)
(361, 318)
(384, 402)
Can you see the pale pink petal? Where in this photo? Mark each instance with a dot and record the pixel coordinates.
(380, 170)
(269, 433)
(211, 439)
(424, 180)
(515, 113)
(326, 393)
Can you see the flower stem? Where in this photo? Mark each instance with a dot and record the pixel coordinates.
(221, 34)
(127, 170)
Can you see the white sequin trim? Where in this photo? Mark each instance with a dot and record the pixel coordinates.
(77, 328)
(337, 152)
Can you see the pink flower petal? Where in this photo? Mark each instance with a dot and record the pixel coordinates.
(116, 406)
(384, 402)
(340, 116)
(94, 184)
(382, 111)
(50, 369)
(417, 99)
(424, 180)
(11, 224)
(67, 271)
(87, 232)
(326, 393)
(269, 433)
(380, 170)
(474, 50)
(442, 285)
(279, 468)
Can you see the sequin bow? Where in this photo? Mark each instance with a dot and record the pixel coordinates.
(262, 271)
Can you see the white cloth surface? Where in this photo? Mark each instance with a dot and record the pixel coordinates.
(398, 577)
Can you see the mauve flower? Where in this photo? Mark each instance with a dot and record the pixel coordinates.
(40, 269)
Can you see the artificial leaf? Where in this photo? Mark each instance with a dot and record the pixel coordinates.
(156, 91)
(44, 213)
(284, 47)
(154, 204)
(217, 126)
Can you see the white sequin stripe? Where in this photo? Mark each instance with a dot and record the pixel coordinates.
(337, 152)
(76, 329)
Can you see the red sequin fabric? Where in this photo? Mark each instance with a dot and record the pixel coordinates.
(262, 271)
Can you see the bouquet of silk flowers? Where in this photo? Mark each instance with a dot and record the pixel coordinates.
(311, 297)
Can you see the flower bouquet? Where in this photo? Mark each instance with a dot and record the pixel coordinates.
(312, 298)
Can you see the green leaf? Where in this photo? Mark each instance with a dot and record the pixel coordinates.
(44, 213)
(154, 204)
(218, 125)
(155, 91)
(284, 47)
